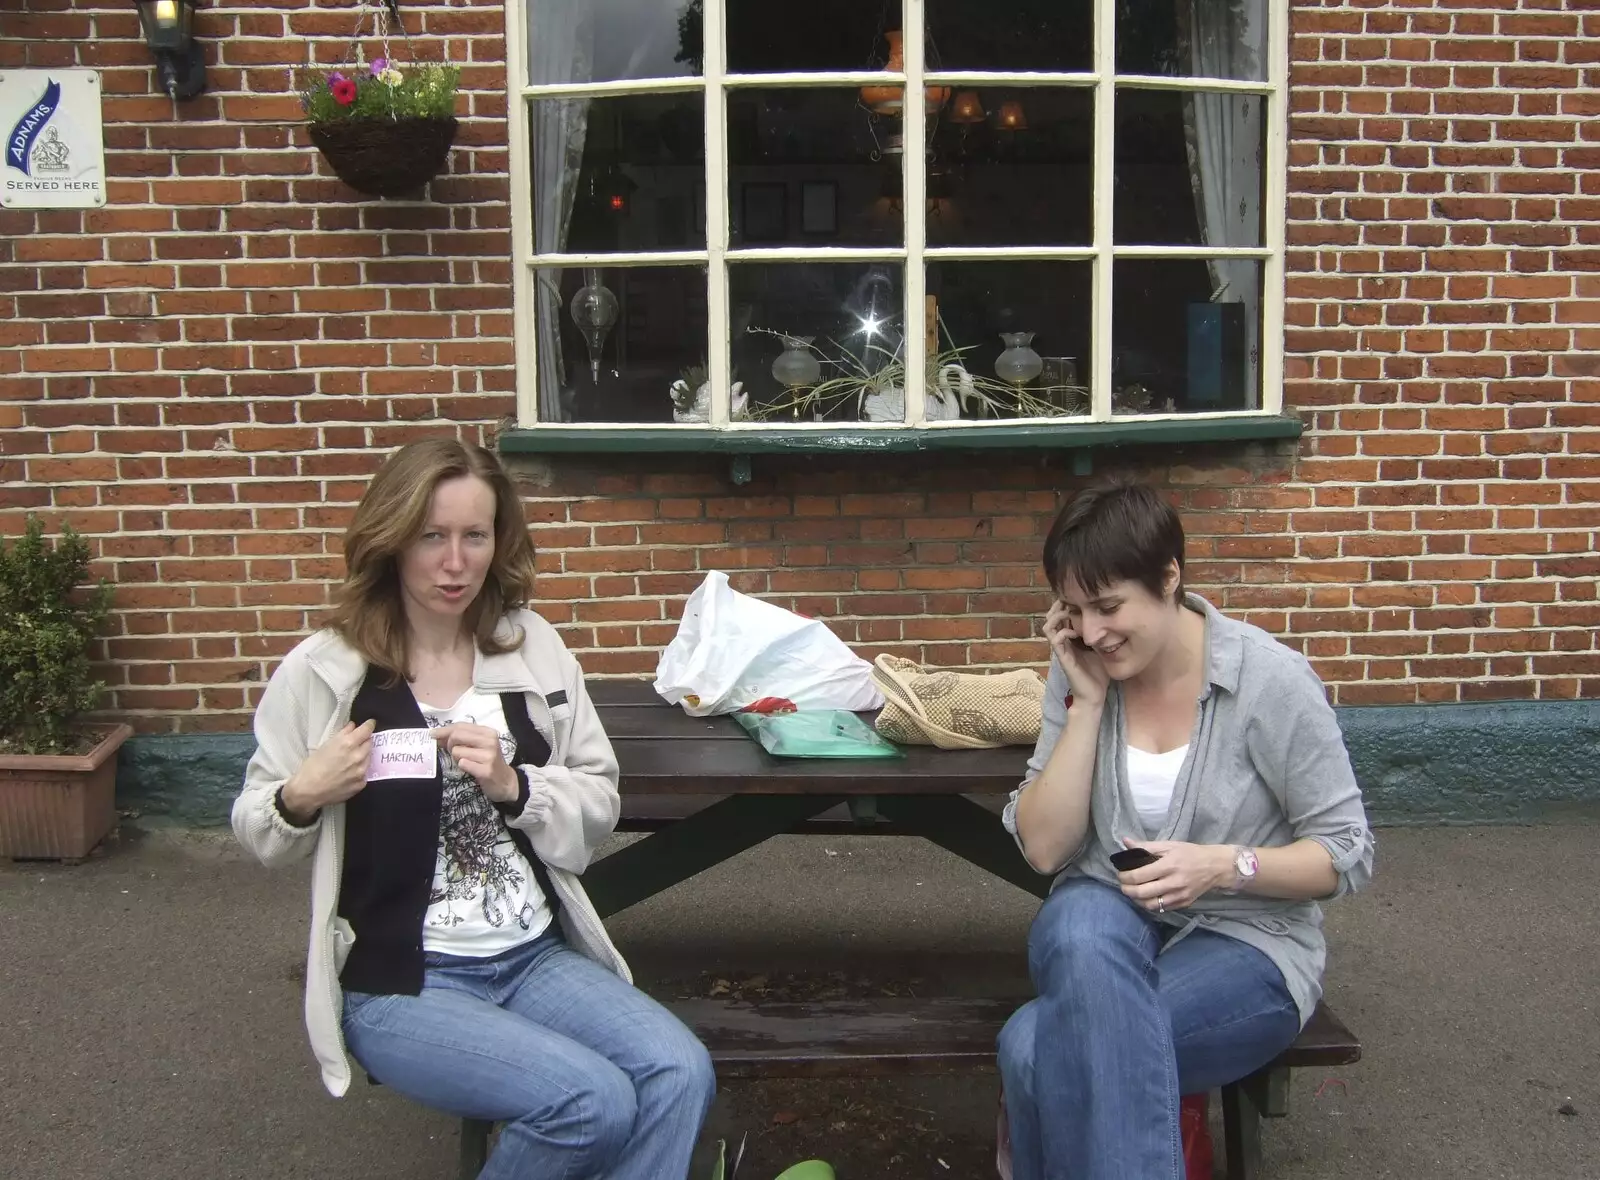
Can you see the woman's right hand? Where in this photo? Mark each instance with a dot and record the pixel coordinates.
(333, 772)
(1086, 672)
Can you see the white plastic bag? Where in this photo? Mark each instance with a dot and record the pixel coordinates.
(732, 650)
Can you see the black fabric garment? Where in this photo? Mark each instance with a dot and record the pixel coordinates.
(391, 842)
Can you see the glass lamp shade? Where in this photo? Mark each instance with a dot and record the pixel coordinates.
(594, 311)
(967, 108)
(797, 366)
(887, 100)
(168, 24)
(1011, 117)
(1018, 364)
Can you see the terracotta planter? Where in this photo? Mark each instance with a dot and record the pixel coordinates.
(59, 806)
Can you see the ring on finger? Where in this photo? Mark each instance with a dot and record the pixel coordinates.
(1161, 905)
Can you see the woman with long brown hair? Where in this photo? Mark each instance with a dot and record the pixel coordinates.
(435, 752)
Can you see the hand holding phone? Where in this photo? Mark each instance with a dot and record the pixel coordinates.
(1127, 859)
(1082, 665)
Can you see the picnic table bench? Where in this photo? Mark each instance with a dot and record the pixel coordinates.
(706, 791)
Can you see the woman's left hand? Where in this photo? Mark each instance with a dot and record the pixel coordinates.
(1184, 872)
(476, 749)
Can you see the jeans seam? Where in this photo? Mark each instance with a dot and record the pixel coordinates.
(1212, 1029)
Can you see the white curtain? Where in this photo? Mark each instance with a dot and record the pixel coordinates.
(1228, 39)
(560, 49)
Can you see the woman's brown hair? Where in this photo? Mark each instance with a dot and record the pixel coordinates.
(1113, 532)
(367, 608)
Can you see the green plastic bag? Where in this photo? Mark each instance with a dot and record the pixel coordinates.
(817, 733)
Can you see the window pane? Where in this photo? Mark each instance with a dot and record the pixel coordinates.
(767, 38)
(612, 342)
(1188, 168)
(812, 167)
(1013, 167)
(845, 317)
(623, 173)
(1193, 38)
(1013, 336)
(609, 40)
(1048, 35)
(1173, 349)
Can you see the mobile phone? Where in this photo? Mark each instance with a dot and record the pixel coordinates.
(1128, 859)
(1076, 642)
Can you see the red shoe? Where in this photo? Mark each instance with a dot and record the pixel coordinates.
(1196, 1134)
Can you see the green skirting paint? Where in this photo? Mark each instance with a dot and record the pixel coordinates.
(1516, 762)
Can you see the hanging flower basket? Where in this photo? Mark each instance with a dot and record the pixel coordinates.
(385, 157)
(385, 130)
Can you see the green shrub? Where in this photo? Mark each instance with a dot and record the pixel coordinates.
(417, 92)
(48, 621)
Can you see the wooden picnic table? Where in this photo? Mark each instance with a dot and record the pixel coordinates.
(750, 796)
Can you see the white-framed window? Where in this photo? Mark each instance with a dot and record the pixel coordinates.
(717, 221)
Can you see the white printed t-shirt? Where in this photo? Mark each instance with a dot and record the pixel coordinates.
(485, 898)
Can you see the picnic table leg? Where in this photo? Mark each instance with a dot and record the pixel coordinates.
(972, 832)
(692, 845)
(474, 1148)
(1242, 1104)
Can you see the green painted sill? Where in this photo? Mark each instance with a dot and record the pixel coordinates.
(1078, 436)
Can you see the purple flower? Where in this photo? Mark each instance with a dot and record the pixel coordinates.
(336, 76)
(379, 64)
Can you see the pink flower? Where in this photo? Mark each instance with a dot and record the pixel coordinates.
(344, 91)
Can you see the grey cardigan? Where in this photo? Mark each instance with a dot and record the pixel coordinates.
(1266, 766)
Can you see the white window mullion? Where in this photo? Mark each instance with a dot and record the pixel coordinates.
(1187, 84)
(1277, 211)
(1105, 128)
(978, 78)
(816, 254)
(1192, 250)
(524, 291)
(914, 172)
(820, 79)
(1008, 253)
(719, 362)
(637, 258)
(686, 83)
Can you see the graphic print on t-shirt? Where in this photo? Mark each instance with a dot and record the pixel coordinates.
(484, 898)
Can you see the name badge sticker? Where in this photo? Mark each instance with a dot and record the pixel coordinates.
(402, 753)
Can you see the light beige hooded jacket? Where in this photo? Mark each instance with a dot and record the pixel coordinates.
(572, 803)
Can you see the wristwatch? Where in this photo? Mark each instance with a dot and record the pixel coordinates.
(1245, 867)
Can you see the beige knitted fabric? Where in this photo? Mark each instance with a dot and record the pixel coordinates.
(957, 710)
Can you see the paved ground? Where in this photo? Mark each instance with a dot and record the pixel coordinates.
(150, 1026)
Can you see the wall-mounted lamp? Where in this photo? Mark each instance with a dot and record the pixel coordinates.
(169, 32)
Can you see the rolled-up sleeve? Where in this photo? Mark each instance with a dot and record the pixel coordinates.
(1056, 691)
(1300, 751)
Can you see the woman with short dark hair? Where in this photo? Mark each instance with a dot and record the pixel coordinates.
(434, 750)
(1191, 791)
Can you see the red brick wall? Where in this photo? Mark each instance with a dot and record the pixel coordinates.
(198, 375)
(1443, 303)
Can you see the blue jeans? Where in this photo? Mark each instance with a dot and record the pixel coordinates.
(591, 1077)
(1094, 1066)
